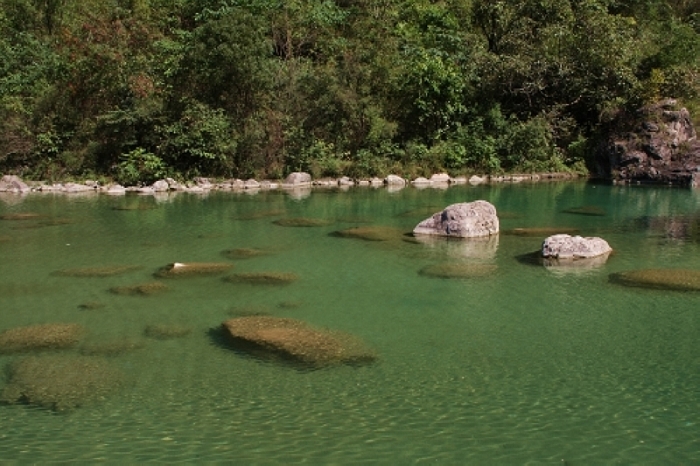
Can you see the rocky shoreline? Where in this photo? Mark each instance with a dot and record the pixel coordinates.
(294, 182)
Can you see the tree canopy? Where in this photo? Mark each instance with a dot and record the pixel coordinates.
(139, 89)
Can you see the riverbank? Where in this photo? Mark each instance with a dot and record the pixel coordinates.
(295, 181)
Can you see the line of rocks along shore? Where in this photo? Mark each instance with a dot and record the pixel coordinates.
(295, 181)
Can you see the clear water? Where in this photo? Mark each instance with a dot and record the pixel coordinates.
(529, 365)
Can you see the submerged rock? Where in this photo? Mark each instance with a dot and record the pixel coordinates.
(263, 278)
(244, 253)
(369, 233)
(574, 247)
(40, 337)
(540, 231)
(20, 216)
(60, 382)
(111, 347)
(662, 279)
(106, 271)
(296, 341)
(301, 222)
(589, 210)
(143, 289)
(458, 270)
(167, 331)
(91, 306)
(190, 269)
(463, 220)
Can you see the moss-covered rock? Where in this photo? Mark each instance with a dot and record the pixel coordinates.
(244, 253)
(60, 382)
(541, 231)
(192, 269)
(296, 341)
(167, 331)
(458, 270)
(370, 233)
(263, 278)
(662, 279)
(301, 222)
(142, 289)
(40, 337)
(99, 272)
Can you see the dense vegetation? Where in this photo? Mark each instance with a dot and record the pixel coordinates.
(138, 89)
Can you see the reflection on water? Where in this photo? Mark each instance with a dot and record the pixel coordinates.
(505, 360)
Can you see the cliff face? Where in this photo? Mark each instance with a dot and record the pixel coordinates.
(655, 144)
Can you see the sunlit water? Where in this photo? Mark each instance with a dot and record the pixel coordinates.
(528, 365)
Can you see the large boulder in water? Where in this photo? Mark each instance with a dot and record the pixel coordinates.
(463, 220)
(296, 341)
(574, 247)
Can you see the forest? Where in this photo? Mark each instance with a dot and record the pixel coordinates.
(137, 90)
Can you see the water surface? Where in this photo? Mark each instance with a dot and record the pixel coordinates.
(525, 365)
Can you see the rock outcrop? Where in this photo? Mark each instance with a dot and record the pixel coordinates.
(656, 144)
(567, 247)
(463, 220)
(296, 341)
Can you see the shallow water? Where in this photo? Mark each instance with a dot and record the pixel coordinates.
(523, 365)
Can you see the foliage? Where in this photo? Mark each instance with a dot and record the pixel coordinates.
(265, 87)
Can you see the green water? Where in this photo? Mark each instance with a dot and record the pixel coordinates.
(528, 365)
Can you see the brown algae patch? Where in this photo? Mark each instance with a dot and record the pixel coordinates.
(263, 278)
(40, 337)
(301, 222)
(662, 279)
(143, 289)
(369, 233)
(244, 253)
(297, 341)
(458, 270)
(60, 382)
(192, 269)
(98, 272)
(167, 331)
(541, 231)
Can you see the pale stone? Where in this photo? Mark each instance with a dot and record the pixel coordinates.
(463, 220)
(574, 247)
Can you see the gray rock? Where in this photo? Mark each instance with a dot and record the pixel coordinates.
(395, 180)
(13, 184)
(655, 144)
(298, 178)
(251, 184)
(463, 220)
(474, 180)
(440, 178)
(574, 247)
(161, 186)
